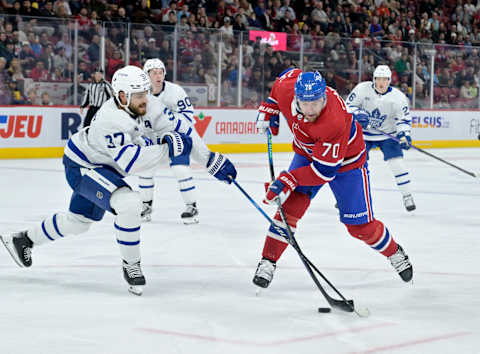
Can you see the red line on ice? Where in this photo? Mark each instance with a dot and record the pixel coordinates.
(414, 342)
(262, 344)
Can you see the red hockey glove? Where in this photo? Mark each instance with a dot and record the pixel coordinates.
(268, 117)
(280, 188)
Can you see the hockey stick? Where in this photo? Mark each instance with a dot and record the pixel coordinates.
(429, 154)
(343, 304)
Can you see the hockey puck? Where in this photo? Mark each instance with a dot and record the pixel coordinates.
(324, 309)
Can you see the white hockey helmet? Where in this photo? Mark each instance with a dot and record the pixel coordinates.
(382, 71)
(153, 64)
(129, 79)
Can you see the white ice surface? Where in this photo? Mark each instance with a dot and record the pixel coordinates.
(199, 298)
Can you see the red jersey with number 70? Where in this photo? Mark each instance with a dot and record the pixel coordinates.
(333, 143)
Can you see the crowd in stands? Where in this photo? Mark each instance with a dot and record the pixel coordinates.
(37, 44)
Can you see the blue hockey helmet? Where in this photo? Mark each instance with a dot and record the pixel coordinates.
(310, 86)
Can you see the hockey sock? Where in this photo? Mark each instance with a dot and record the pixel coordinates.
(127, 206)
(376, 235)
(186, 185)
(400, 172)
(294, 207)
(58, 226)
(146, 186)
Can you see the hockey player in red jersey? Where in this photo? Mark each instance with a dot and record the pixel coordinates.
(329, 148)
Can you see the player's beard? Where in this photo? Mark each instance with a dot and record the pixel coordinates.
(140, 110)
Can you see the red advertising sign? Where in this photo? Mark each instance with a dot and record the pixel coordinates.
(277, 40)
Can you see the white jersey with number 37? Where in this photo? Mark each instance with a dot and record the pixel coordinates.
(389, 112)
(115, 139)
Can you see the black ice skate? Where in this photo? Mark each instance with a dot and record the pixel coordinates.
(134, 277)
(264, 273)
(190, 215)
(401, 264)
(408, 202)
(147, 210)
(20, 247)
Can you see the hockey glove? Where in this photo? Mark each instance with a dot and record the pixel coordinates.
(280, 188)
(221, 168)
(405, 140)
(268, 117)
(179, 147)
(362, 117)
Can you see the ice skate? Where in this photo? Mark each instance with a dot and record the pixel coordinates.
(264, 273)
(134, 277)
(147, 210)
(408, 202)
(401, 264)
(20, 247)
(190, 215)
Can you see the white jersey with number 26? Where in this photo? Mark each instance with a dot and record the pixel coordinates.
(389, 112)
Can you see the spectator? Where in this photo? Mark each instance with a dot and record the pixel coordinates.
(27, 56)
(401, 65)
(142, 13)
(45, 99)
(319, 16)
(16, 95)
(152, 51)
(260, 8)
(287, 8)
(8, 51)
(94, 49)
(84, 22)
(47, 10)
(114, 63)
(172, 19)
(166, 11)
(183, 24)
(239, 25)
(184, 11)
(65, 42)
(32, 98)
(5, 94)
(39, 73)
(227, 28)
(60, 60)
(15, 70)
(203, 22)
(3, 73)
(14, 9)
(48, 58)
(468, 90)
(276, 12)
(375, 30)
(265, 20)
(62, 8)
(165, 53)
(28, 10)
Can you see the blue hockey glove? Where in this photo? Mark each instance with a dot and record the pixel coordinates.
(221, 168)
(362, 117)
(179, 147)
(280, 188)
(405, 140)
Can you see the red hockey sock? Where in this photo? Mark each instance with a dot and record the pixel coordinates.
(376, 235)
(294, 208)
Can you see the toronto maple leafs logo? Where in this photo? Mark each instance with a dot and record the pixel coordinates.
(376, 118)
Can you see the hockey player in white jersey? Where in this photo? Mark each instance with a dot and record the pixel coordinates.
(388, 111)
(96, 161)
(174, 98)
